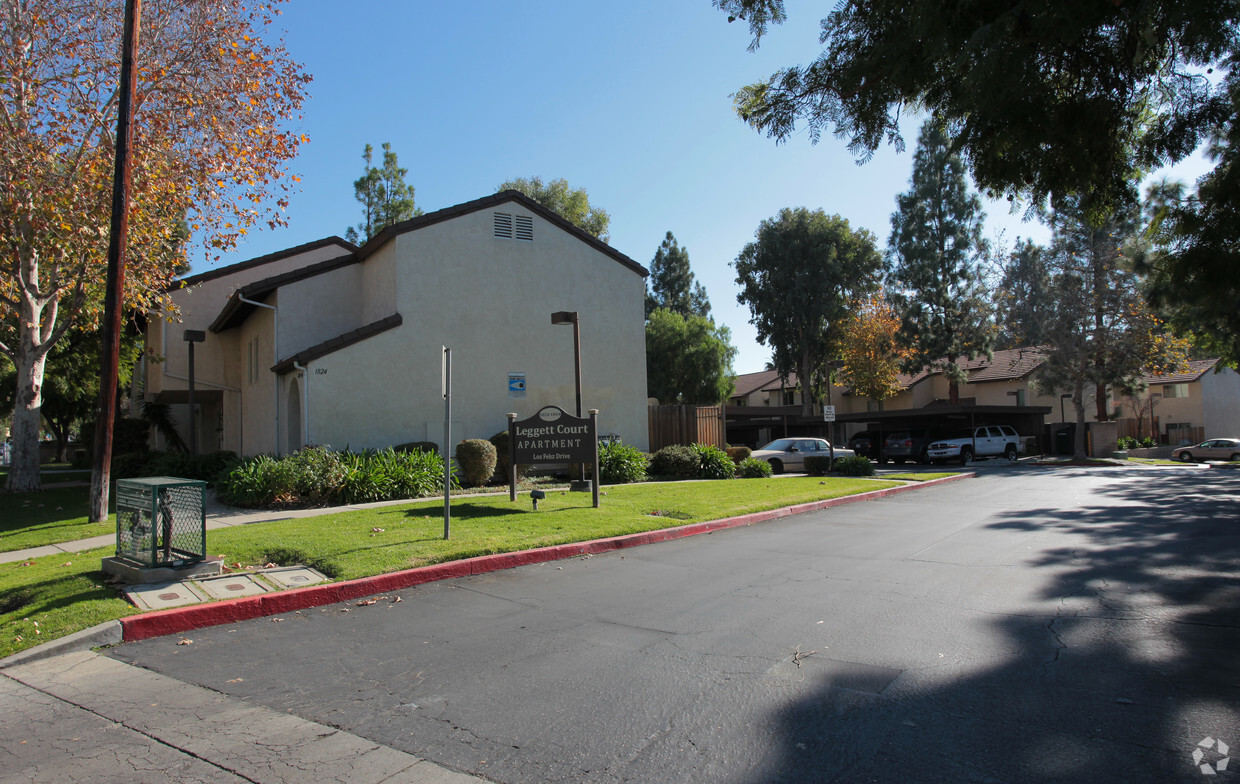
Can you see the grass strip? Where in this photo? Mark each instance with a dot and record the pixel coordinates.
(64, 594)
(52, 516)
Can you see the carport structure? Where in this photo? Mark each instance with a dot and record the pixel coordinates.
(751, 424)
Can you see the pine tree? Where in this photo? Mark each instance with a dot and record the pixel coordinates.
(671, 282)
(1022, 300)
(385, 198)
(936, 245)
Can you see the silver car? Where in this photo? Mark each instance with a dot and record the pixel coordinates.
(788, 454)
(1214, 449)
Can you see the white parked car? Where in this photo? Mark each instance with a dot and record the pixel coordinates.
(971, 443)
(788, 454)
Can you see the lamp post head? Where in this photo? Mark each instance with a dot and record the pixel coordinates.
(564, 317)
(195, 336)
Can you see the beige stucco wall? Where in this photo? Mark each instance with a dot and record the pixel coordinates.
(1221, 403)
(322, 307)
(490, 300)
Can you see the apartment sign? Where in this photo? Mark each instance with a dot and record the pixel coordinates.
(553, 436)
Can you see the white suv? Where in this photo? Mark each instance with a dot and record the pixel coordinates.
(970, 443)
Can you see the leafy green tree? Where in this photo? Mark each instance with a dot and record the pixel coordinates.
(1196, 274)
(1051, 99)
(386, 199)
(1059, 101)
(797, 277)
(688, 358)
(671, 282)
(1023, 297)
(572, 204)
(936, 246)
(1099, 334)
(71, 383)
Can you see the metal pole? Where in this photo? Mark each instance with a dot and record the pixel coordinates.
(577, 380)
(101, 473)
(594, 435)
(193, 430)
(512, 458)
(447, 442)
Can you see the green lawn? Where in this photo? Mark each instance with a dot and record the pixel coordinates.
(50, 516)
(66, 593)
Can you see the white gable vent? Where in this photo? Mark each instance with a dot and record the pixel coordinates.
(525, 227)
(503, 225)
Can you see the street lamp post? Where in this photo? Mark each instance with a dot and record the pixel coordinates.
(193, 336)
(570, 317)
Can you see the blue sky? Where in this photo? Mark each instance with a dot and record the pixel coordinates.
(630, 101)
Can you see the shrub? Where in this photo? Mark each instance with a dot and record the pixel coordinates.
(418, 446)
(1148, 442)
(476, 460)
(257, 481)
(675, 462)
(1127, 442)
(620, 463)
(739, 454)
(854, 466)
(753, 468)
(206, 467)
(819, 465)
(317, 474)
(713, 462)
(500, 442)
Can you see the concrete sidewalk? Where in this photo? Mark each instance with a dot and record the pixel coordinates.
(84, 717)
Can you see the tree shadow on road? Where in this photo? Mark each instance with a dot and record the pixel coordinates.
(1136, 661)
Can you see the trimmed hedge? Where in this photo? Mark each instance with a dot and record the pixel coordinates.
(817, 465)
(475, 459)
(739, 454)
(675, 462)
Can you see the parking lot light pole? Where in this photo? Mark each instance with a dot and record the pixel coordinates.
(193, 336)
(570, 317)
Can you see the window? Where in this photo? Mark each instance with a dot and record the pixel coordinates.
(1175, 390)
(506, 226)
(253, 356)
(790, 397)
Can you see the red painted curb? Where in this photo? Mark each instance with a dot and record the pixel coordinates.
(181, 619)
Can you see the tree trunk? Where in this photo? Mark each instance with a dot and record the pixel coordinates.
(1103, 411)
(1078, 403)
(803, 373)
(27, 417)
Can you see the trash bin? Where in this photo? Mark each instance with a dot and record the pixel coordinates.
(161, 520)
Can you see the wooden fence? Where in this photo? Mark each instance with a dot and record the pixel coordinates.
(1133, 428)
(685, 425)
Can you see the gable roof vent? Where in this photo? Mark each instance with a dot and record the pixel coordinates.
(525, 227)
(503, 226)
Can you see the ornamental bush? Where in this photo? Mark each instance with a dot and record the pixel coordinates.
(619, 463)
(753, 468)
(818, 465)
(318, 476)
(739, 453)
(854, 466)
(675, 462)
(713, 462)
(475, 459)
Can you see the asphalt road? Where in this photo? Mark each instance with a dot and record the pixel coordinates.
(1029, 625)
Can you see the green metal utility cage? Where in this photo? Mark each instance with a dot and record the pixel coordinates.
(161, 520)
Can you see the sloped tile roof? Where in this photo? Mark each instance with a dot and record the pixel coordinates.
(748, 383)
(340, 341)
(1195, 370)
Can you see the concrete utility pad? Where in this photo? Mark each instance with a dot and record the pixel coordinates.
(293, 577)
(162, 596)
(230, 586)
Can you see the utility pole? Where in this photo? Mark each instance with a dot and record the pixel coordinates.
(101, 470)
